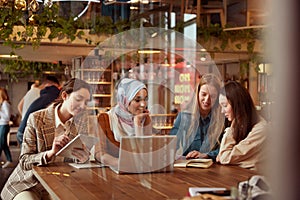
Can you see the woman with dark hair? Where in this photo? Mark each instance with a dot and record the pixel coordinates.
(243, 142)
(47, 131)
(199, 127)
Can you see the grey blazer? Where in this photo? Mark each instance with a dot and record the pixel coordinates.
(38, 138)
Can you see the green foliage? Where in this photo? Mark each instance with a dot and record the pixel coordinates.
(18, 68)
(244, 68)
(49, 25)
(46, 25)
(237, 37)
(242, 36)
(206, 33)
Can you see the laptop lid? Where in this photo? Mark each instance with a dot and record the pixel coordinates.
(144, 154)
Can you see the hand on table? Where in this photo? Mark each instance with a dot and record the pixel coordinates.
(196, 154)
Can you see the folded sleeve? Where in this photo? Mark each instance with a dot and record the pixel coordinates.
(233, 153)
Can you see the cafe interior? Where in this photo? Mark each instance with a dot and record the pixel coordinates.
(166, 44)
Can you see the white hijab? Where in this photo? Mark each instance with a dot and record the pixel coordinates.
(121, 118)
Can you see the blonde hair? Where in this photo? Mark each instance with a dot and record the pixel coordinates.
(217, 119)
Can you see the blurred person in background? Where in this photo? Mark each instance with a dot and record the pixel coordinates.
(28, 98)
(47, 96)
(5, 113)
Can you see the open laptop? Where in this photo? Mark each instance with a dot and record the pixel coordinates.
(145, 154)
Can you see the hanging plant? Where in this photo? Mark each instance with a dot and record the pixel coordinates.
(217, 39)
(18, 68)
(47, 24)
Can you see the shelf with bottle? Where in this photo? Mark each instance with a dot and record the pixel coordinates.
(97, 77)
(90, 69)
(163, 121)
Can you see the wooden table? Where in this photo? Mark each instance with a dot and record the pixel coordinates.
(65, 182)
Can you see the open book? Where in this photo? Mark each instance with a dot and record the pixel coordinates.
(77, 142)
(197, 162)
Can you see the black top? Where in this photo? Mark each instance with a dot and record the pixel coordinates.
(47, 96)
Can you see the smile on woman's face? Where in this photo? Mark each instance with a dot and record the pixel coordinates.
(139, 103)
(208, 95)
(226, 107)
(76, 101)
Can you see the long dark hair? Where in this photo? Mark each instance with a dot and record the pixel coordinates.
(244, 111)
(70, 86)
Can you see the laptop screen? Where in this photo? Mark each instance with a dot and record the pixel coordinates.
(143, 154)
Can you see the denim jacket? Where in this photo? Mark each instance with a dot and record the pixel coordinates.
(198, 140)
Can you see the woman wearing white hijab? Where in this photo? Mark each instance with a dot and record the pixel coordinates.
(130, 117)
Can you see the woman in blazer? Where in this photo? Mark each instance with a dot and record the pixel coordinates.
(47, 131)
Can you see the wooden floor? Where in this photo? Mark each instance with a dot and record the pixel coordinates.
(5, 173)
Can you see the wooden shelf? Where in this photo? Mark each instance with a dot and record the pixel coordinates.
(92, 70)
(99, 78)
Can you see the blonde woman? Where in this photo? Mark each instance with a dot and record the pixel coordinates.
(199, 127)
(5, 112)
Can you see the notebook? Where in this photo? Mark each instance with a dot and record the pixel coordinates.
(145, 154)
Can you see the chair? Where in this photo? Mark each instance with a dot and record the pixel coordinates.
(108, 142)
(12, 135)
(213, 7)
